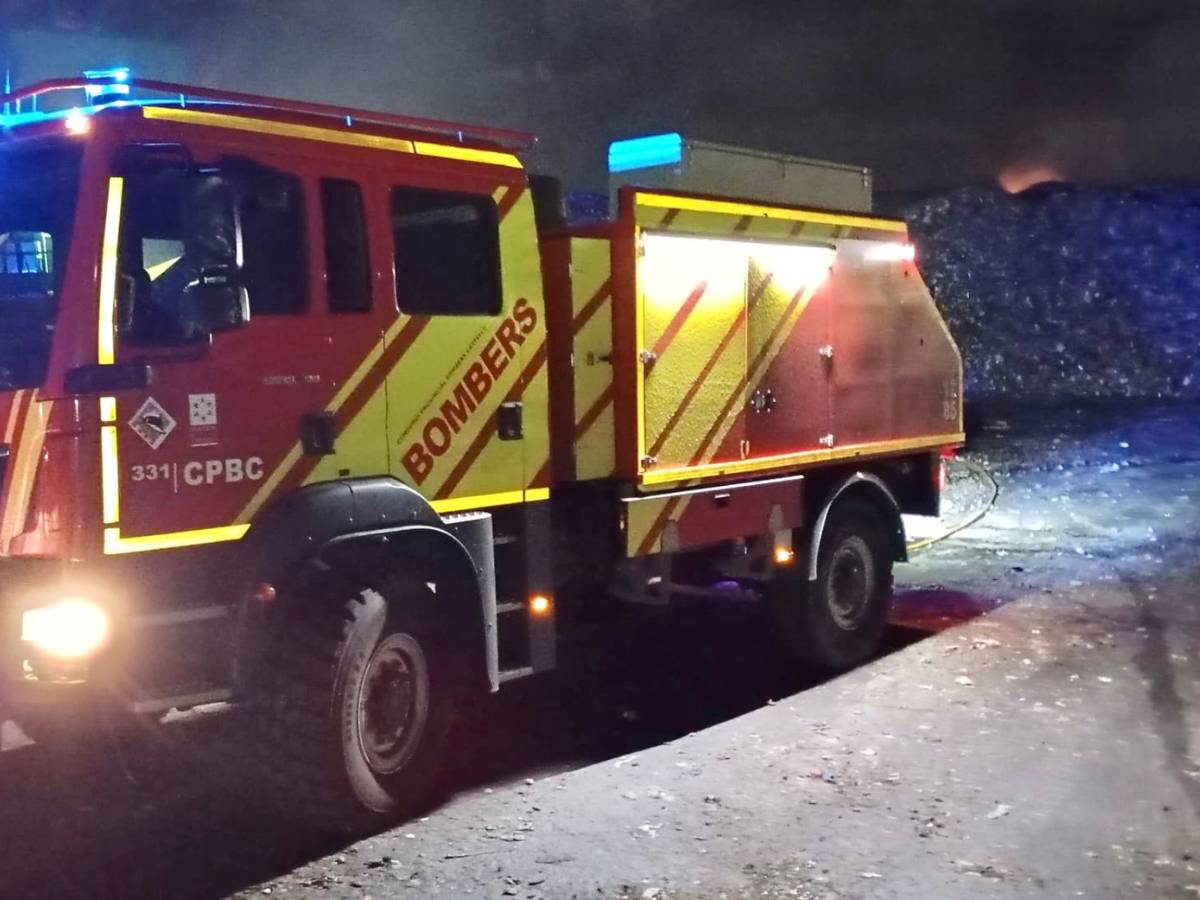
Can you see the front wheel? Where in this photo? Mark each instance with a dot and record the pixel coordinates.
(357, 706)
(836, 622)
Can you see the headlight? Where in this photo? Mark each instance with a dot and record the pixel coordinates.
(70, 629)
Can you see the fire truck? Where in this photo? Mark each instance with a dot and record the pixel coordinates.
(335, 415)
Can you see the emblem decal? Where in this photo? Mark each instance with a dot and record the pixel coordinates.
(152, 423)
(202, 409)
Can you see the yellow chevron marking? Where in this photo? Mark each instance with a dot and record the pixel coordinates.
(482, 501)
(805, 457)
(24, 469)
(110, 475)
(11, 427)
(329, 135)
(106, 327)
(114, 544)
(732, 208)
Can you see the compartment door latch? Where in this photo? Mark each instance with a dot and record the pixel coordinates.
(509, 421)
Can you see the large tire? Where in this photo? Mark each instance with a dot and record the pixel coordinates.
(836, 622)
(357, 700)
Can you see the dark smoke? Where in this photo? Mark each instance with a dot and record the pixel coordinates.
(931, 94)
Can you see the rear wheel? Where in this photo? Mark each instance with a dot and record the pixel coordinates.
(357, 704)
(837, 621)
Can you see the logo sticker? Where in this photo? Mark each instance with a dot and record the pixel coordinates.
(152, 423)
(202, 410)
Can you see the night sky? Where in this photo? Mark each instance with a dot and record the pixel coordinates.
(930, 93)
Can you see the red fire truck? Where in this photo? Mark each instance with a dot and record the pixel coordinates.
(331, 412)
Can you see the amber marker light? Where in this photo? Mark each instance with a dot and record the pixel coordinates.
(539, 604)
(77, 123)
(784, 556)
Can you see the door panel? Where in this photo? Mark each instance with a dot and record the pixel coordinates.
(693, 305)
(218, 432)
(788, 393)
(452, 373)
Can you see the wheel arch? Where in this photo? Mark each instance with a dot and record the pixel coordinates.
(356, 532)
(872, 489)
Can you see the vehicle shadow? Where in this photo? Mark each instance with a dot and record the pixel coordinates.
(172, 814)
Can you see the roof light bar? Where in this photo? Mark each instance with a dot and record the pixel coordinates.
(181, 94)
(643, 152)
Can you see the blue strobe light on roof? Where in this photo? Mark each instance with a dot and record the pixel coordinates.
(110, 84)
(643, 152)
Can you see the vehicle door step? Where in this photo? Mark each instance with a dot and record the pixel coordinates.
(513, 674)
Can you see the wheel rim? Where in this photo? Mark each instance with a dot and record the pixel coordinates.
(851, 583)
(393, 703)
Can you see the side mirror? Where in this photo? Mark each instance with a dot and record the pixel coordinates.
(220, 300)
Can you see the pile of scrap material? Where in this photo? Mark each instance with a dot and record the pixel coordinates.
(1067, 292)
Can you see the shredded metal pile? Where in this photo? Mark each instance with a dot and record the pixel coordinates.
(1066, 292)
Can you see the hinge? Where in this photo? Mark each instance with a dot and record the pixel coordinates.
(826, 351)
(648, 461)
(647, 357)
(826, 440)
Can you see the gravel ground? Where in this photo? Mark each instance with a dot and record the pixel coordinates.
(1033, 731)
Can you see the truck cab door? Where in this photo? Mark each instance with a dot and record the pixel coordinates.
(227, 420)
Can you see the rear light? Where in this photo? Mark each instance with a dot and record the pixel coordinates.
(940, 471)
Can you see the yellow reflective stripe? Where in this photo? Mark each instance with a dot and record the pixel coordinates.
(108, 409)
(732, 208)
(24, 466)
(804, 457)
(115, 544)
(468, 154)
(110, 474)
(482, 501)
(106, 328)
(328, 135)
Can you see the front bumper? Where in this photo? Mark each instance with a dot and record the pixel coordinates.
(155, 659)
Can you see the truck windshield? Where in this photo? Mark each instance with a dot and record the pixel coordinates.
(38, 188)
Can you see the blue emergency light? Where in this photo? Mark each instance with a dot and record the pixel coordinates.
(643, 152)
(108, 84)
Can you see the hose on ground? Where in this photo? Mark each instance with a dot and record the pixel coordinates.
(925, 543)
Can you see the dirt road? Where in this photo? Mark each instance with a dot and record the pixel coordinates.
(1048, 747)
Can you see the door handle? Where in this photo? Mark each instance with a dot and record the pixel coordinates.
(509, 424)
(318, 433)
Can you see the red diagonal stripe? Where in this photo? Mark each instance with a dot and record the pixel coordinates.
(489, 427)
(681, 314)
(590, 308)
(542, 478)
(698, 382)
(508, 201)
(659, 524)
(358, 398)
(593, 413)
(750, 370)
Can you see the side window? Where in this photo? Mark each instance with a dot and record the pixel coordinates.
(179, 227)
(347, 264)
(154, 273)
(274, 259)
(447, 252)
